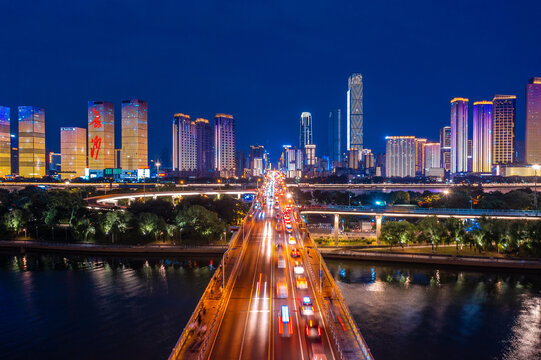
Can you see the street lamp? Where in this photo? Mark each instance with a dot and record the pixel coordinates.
(535, 168)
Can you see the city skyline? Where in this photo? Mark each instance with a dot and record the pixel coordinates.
(265, 102)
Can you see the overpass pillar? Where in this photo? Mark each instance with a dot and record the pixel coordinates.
(238, 196)
(378, 228)
(336, 225)
(218, 196)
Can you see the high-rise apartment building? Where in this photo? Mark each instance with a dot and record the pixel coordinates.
(445, 145)
(224, 145)
(335, 136)
(432, 155)
(459, 135)
(5, 141)
(73, 152)
(503, 129)
(355, 114)
(305, 134)
(420, 155)
(14, 154)
(256, 152)
(310, 155)
(533, 121)
(400, 156)
(184, 144)
(204, 143)
(240, 162)
(101, 135)
(482, 137)
(31, 142)
(134, 135)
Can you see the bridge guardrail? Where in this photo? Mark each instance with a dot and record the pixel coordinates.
(343, 306)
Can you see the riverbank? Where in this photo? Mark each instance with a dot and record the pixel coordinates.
(83, 248)
(421, 258)
(327, 252)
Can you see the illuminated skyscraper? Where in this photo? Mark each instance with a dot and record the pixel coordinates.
(445, 145)
(204, 143)
(420, 156)
(101, 135)
(134, 135)
(73, 152)
(400, 156)
(184, 144)
(5, 141)
(310, 155)
(482, 136)
(335, 136)
(459, 135)
(256, 152)
(432, 156)
(224, 144)
(305, 134)
(355, 112)
(31, 141)
(503, 129)
(533, 121)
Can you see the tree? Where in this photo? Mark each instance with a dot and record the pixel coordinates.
(432, 230)
(115, 222)
(148, 224)
(397, 233)
(15, 220)
(200, 223)
(457, 231)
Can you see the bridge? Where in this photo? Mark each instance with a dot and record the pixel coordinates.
(435, 187)
(272, 296)
(114, 199)
(404, 212)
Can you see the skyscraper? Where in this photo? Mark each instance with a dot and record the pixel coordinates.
(445, 145)
(31, 141)
(459, 135)
(184, 144)
(482, 136)
(101, 135)
(256, 152)
(310, 155)
(224, 145)
(305, 134)
(420, 156)
(503, 129)
(73, 152)
(400, 156)
(432, 156)
(5, 141)
(204, 142)
(533, 121)
(134, 135)
(335, 136)
(355, 112)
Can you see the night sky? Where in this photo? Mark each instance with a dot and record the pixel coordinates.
(266, 62)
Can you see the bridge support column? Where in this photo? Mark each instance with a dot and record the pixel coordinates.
(378, 228)
(336, 226)
(238, 196)
(218, 196)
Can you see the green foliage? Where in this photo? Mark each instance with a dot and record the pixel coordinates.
(397, 233)
(200, 223)
(15, 220)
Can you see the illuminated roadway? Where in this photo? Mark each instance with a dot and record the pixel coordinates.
(250, 326)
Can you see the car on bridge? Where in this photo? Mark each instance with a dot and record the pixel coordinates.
(306, 307)
(302, 283)
(281, 290)
(295, 253)
(298, 268)
(286, 327)
(312, 329)
(291, 240)
(281, 263)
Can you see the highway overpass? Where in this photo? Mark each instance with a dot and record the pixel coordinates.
(404, 212)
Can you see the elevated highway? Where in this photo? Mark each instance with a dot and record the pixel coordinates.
(395, 212)
(252, 309)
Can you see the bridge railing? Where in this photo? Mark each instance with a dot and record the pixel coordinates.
(342, 304)
(418, 210)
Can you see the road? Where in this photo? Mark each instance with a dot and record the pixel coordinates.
(251, 327)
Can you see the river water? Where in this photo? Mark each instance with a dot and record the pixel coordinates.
(116, 308)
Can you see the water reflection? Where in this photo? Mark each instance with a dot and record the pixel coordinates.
(413, 311)
(93, 307)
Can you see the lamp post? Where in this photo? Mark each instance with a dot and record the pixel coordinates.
(535, 167)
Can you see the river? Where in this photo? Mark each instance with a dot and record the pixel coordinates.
(117, 308)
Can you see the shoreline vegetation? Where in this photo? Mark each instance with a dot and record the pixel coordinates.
(342, 252)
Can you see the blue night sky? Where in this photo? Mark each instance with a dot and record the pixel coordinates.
(266, 62)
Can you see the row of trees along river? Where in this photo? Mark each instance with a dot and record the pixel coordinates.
(62, 215)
